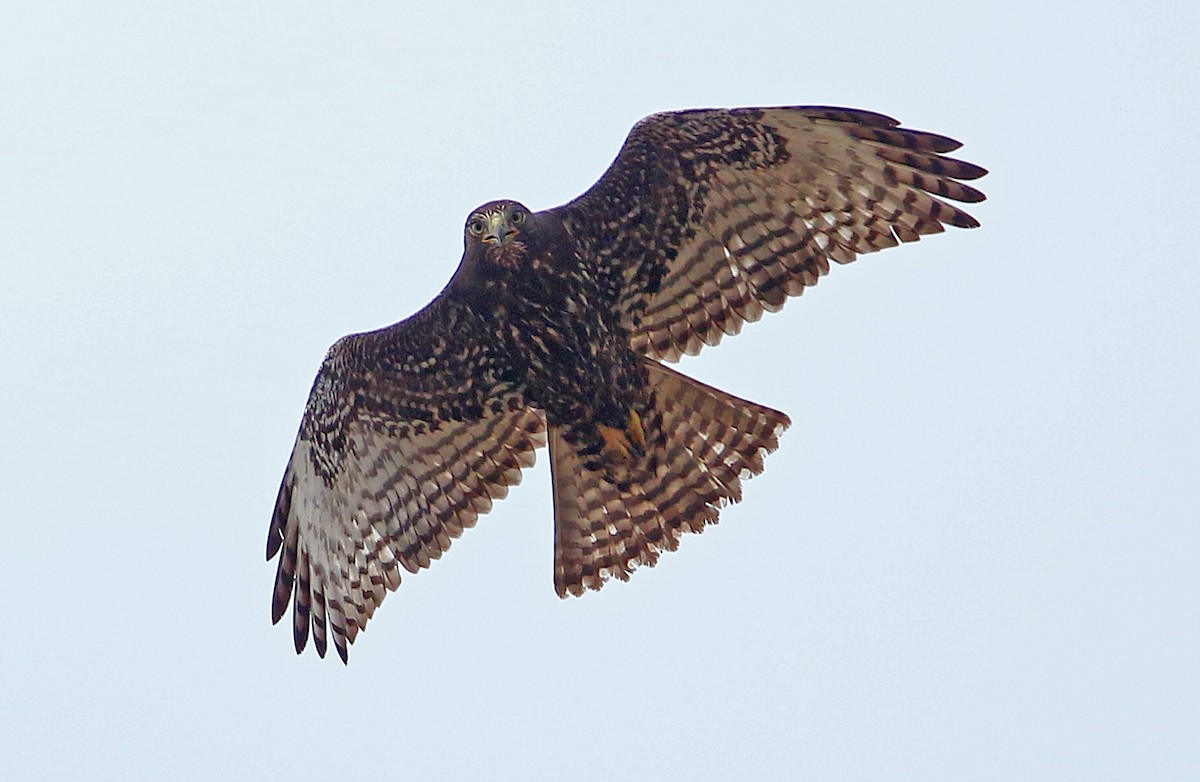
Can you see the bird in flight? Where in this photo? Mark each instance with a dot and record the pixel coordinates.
(553, 331)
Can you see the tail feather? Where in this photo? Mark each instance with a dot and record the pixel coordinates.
(702, 443)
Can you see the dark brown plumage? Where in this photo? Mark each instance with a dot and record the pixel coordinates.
(552, 329)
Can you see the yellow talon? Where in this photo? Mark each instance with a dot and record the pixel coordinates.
(616, 444)
(636, 433)
(620, 445)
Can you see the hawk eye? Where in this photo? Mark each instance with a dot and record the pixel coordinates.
(518, 216)
(475, 227)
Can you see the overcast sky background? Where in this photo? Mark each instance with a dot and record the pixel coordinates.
(974, 557)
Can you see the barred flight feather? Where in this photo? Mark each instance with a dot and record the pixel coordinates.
(702, 443)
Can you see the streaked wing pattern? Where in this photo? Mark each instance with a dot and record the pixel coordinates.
(708, 218)
(384, 475)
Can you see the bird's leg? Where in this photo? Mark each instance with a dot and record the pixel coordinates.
(621, 444)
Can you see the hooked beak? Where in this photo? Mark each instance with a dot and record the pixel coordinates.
(499, 230)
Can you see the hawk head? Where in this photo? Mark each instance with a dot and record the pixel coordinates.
(496, 222)
(496, 233)
(500, 239)
(506, 244)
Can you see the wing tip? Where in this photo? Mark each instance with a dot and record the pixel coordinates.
(969, 171)
(278, 609)
(279, 516)
(962, 219)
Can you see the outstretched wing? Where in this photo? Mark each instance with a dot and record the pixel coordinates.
(409, 434)
(710, 217)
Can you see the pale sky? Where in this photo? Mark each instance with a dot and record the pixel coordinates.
(975, 555)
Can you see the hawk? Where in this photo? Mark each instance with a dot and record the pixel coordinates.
(554, 329)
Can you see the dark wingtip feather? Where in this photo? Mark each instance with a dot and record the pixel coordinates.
(965, 170)
(937, 142)
(319, 623)
(842, 114)
(279, 517)
(302, 606)
(285, 578)
(278, 607)
(939, 165)
(905, 138)
(948, 214)
(299, 629)
(966, 221)
(968, 194)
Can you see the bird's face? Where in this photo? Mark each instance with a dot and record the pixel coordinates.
(497, 233)
(498, 223)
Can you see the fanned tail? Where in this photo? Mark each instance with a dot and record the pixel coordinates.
(701, 444)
